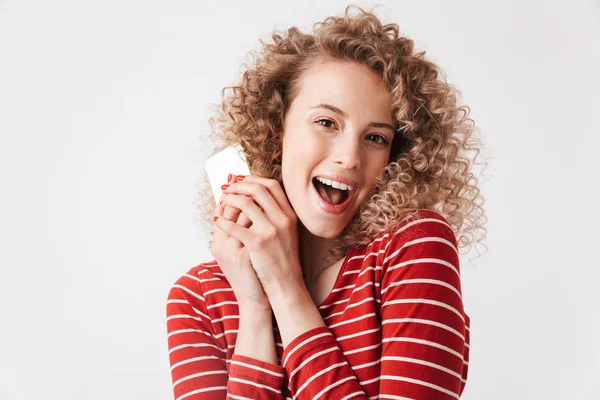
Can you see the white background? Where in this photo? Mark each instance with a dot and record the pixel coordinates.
(101, 107)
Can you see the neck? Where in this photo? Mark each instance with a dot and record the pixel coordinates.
(312, 250)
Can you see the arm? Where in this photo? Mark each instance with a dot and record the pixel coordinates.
(423, 326)
(314, 362)
(255, 334)
(198, 359)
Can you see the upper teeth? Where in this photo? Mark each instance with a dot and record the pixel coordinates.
(335, 184)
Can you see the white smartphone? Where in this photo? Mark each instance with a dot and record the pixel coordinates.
(232, 160)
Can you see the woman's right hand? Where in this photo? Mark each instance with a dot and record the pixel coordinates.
(232, 256)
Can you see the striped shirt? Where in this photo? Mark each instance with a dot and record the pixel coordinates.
(396, 328)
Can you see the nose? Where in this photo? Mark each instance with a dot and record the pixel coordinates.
(348, 152)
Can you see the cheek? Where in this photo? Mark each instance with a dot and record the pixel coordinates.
(299, 148)
(374, 174)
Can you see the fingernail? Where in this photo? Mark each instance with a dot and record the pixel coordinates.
(229, 177)
(215, 219)
(223, 187)
(239, 178)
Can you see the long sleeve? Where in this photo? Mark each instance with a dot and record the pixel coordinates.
(198, 357)
(424, 330)
(424, 327)
(316, 366)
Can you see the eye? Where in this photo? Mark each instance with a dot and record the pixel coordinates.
(324, 120)
(383, 141)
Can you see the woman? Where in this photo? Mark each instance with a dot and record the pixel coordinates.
(336, 270)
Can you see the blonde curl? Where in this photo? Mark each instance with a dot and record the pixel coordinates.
(432, 155)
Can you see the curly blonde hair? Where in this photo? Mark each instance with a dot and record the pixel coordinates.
(429, 167)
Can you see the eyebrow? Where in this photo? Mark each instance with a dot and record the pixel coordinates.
(343, 114)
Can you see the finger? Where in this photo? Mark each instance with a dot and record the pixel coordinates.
(274, 188)
(222, 211)
(228, 212)
(219, 209)
(231, 213)
(244, 221)
(234, 230)
(236, 215)
(262, 197)
(228, 242)
(250, 209)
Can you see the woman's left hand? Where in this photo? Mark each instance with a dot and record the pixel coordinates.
(272, 238)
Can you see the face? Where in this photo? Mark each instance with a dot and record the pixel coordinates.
(340, 124)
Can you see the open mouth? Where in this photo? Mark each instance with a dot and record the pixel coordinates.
(330, 194)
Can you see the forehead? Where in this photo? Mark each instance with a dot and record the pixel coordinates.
(347, 85)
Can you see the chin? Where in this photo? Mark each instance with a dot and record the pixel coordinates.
(323, 230)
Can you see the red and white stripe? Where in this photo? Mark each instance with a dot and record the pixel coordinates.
(396, 328)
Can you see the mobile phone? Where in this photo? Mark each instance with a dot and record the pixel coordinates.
(232, 160)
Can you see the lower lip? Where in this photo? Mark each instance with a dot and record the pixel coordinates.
(330, 208)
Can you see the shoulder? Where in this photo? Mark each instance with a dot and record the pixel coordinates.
(191, 285)
(426, 223)
(188, 312)
(426, 239)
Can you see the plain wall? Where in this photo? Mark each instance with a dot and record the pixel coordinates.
(102, 105)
